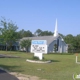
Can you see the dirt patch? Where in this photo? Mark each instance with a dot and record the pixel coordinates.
(25, 77)
(22, 76)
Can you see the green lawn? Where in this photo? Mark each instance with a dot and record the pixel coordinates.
(62, 67)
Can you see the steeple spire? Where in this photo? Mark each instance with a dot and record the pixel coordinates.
(56, 30)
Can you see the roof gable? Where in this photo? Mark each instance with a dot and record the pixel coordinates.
(48, 38)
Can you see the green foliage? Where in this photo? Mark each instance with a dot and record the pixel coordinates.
(55, 47)
(39, 32)
(22, 33)
(8, 32)
(25, 44)
(73, 43)
(35, 58)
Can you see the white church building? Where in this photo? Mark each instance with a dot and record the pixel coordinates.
(54, 42)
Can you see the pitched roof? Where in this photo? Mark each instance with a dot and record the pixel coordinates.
(48, 38)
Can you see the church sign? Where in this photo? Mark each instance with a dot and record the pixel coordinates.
(38, 47)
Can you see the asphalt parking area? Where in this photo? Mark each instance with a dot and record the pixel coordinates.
(6, 76)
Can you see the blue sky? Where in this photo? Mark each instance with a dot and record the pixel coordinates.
(41, 14)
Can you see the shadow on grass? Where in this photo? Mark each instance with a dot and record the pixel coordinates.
(8, 56)
(55, 61)
(11, 68)
(61, 53)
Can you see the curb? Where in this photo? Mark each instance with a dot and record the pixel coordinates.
(33, 61)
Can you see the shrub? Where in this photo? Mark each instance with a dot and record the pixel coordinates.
(35, 58)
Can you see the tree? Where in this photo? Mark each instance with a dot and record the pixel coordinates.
(46, 33)
(22, 33)
(77, 43)
(25, 44)
(73, 43)
(69, 39)
(55, 47)
(28, 33)
(8, 32)
(38, 32)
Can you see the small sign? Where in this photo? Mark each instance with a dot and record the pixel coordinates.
(39, 46)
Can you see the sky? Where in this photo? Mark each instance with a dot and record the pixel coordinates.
(41, 14)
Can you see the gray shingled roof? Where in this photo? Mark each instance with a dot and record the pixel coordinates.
(48, 38)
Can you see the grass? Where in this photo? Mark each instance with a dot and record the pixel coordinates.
(62, 67)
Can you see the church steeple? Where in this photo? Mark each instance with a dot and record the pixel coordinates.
(56, 30)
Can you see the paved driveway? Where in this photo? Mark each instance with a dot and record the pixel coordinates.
(6, 76)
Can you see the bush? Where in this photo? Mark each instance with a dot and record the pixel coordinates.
(35, 58)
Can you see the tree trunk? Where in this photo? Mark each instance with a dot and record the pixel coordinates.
(6, 47)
